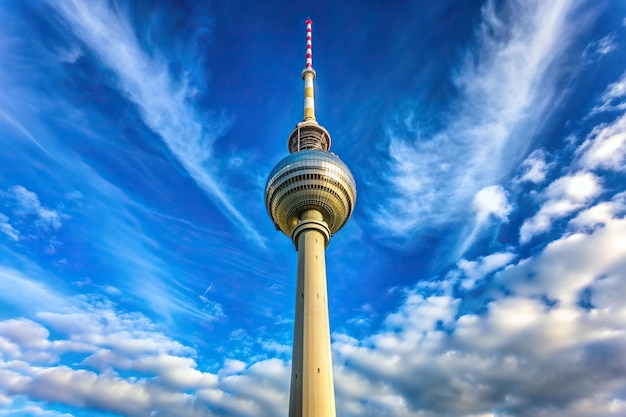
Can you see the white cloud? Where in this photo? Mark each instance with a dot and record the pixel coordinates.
(603, 46)
(22, 129)
(606, 45)
(261, 391)
(612, 98)
(524, 355)
(561, 198)
(161, 375)
(70, 55)
(7, 229)
(535, 167)
(479, 268)
(488, 203)
(130, 335)
(32, 410)
(505, 90)
(232, 367)
(145, 78)
(579, 257)
(491, 201)
(25, 333)
(15, 287)
(605, 147)
(177, 372)
(82, 388)
(27, 203)
(275, 347)
(600, 214)
(534, 350)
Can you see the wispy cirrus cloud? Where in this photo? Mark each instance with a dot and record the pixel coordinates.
(505, 93)
(603, 46)
(7, 228)
(144, 77)
(21, 129)
(26, 203)
(613, 97)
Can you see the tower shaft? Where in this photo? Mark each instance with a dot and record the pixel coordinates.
(312, 389)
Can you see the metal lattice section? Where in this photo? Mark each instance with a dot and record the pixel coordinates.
(310, 179)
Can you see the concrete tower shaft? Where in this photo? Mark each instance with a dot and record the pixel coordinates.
(312, 392)
(310, 195)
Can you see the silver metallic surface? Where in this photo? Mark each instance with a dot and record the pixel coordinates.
(308, 135)
(310, 179)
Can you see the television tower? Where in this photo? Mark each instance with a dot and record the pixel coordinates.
(310, 195)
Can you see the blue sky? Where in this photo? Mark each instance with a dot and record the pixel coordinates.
(482, 273)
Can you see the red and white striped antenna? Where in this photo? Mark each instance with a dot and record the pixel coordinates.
(308, 75)
(309, 45)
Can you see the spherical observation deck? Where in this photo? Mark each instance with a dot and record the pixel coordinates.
(310, 179)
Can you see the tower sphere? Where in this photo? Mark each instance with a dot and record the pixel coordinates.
(310, 179)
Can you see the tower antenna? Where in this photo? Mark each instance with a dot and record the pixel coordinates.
(308, 75)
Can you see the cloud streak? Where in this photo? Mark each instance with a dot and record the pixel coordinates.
(505, 91)
(144, 77)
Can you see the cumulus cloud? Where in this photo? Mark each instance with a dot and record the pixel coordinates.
(605, 147)
(232, 367)
(161, 375)
(144, 77)
(550, 343)
(505, 89)
(600, 214)
(561, 198)
(491, 201)
(535, 167)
